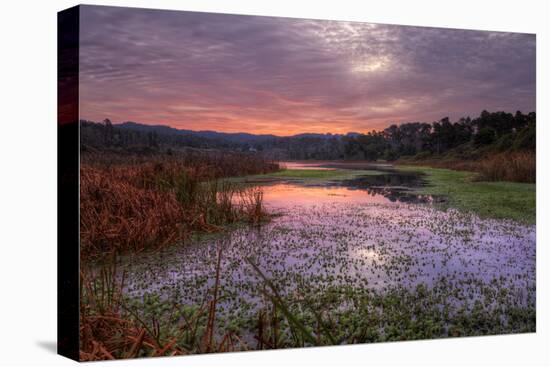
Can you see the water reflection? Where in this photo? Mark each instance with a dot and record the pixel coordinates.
(394, 186)
(388, 186)
(306, 165)
(286, 194)
(390, 179)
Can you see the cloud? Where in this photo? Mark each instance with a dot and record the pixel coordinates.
(264, 74)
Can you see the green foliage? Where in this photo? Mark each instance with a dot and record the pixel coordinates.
(422, 155)
(485, 136)
(526, 138)
(185, 189)
(504, 142)
(356, 315)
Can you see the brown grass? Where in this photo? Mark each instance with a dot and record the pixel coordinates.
(118, 215)
(110, 329)
(134, 204)
(516, 167)
(508, 166)
(137, 203)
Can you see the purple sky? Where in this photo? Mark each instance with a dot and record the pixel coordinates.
(232, 73)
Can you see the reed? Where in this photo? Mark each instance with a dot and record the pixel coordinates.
(140, 203)
(111, 328)
(516, 167)
(507, 166)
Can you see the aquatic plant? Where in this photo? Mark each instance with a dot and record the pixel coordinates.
(324, 272)
(114, 327)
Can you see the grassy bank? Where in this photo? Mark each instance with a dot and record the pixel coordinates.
(500, 200)
(505, 166)
(307, 175)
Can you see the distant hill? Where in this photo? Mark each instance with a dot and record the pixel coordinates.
(167, 130)
(137, 137)
(229, 137)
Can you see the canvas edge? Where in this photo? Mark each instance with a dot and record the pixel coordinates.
(68, 146)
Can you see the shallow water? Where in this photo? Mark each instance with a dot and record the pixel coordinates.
(282, 195)
(344, 234)
(367, 242)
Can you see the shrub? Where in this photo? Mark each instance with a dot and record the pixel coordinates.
(485, 136)
(526, 139)
(423, 155)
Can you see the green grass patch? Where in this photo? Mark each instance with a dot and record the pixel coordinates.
(500, 200)
(305, 176)
(305, 173)
(318, 174)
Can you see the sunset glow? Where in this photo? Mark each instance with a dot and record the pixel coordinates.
(282, 76)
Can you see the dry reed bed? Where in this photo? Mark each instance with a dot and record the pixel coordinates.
(509, 166)
(130, 204)
(517, 167)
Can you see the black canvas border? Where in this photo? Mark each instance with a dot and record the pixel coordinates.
(68, 162)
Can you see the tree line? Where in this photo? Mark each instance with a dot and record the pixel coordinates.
(466, 138)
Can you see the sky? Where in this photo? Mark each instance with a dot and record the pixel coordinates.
(283, 76)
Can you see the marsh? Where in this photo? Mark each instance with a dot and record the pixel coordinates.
(360, 232)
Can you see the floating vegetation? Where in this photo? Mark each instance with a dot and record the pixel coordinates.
(345, 260)
(371, 271)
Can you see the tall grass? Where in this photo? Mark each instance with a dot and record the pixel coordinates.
(139, 203)
(111, 328)
(508, 166)
(204, 164)
(517, 167)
